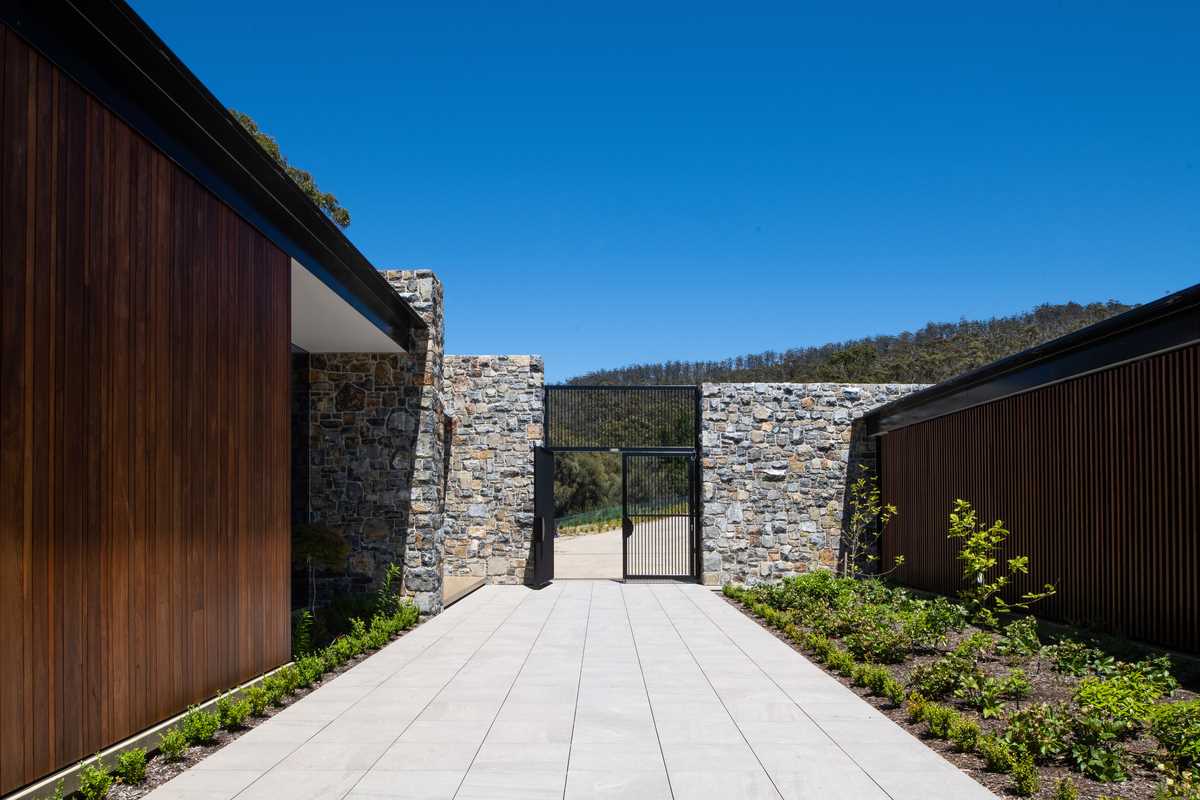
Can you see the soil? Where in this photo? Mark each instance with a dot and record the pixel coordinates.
(159, 770)
(1048, 687)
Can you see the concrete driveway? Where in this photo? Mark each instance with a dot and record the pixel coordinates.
(585, 689)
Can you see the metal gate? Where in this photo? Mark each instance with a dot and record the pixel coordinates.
(658, 515)
(656, 431)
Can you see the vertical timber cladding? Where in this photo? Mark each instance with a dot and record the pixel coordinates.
(1096, 477)
(144, 431)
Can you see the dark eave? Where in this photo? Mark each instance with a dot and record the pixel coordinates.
(1166, 324)
(113, 53)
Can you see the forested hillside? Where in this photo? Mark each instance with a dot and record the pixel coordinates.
(932, 354)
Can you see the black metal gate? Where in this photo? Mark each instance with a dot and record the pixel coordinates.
(658, 515)
(656, 429)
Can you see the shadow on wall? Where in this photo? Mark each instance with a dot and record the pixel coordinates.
(863, 453)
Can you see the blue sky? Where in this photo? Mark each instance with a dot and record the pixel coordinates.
(607, 183)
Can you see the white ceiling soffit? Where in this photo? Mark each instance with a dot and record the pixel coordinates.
(322, 322)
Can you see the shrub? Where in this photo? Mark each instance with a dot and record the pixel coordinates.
(868, 516)
(1176, 726)
(928, 626)
(232, 712)
(275, 687)
(948, 673)
(1026, 781)
(1072, 657)
(1020, 638)
(1040, 730)
(840, 661)
(172, 743)
(131, 766)
(1178, 785)
(893, 690)
(1065, 789)
(939, 719)
(259, 699)
(979, 554)
(1099, 760)
(987, 694)
(302, 626)
(1156, 672)
(877, 639)
(875, 678)
(964, 733)
(199, 726)
(310, 669)
(95, 780)
(1121, 703)
(915, 707)
(997, 754)
(820, 646)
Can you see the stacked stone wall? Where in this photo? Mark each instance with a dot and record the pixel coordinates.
(775, 461)
(496, 407)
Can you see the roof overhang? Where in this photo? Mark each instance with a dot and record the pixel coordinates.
(322, 322)
(115, 56)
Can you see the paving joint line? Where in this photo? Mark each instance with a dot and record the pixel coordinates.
(646, 688)
(717, 694)
(455, 626)
(392, 744)
(504, 700)
(578, 687)
(793, 700)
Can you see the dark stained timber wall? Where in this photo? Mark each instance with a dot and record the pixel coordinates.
(1098, 478)
(144, 431)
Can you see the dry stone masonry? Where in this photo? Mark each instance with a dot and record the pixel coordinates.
(496, 404)
(775, 460)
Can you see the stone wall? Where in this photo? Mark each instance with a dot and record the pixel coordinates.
(496, 407)
(376, 454)
(775, 460)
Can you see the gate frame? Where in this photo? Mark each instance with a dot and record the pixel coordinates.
(696, 451)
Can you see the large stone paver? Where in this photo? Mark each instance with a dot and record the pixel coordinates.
(584, 689)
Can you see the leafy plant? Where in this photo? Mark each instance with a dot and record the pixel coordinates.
(1157, 672)
(1026, 781)
(131, 766)
(964, 733)
(1120, 703)
(172, 744)
(199, 726)
(233, 712)
(979, 554)
(929, 624)
(940, 719)
(95, 780)
(1178, 784)
(387, 597)
(997, 754)
(868, 516)
(839, 661)
(1020, 638)
(1065, 789)
(259, 699)
(1040, 730)
(1072, 657)
(987, 694)
(59, 788)
(1176, 726)
(302, 628)
(1099, 760)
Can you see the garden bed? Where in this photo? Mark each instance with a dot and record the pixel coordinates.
(1060, 711)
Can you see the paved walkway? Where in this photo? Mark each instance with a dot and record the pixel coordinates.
(580, 690)
(588, 555)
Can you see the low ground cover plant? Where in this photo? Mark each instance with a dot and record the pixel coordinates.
(977, 675)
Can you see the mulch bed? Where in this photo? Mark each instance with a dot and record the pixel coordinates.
(1048, 686)
(159, 770)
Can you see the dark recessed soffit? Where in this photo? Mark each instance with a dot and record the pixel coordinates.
(111, 52)
(1166, 324)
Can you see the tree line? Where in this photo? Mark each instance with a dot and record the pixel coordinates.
(936, 352)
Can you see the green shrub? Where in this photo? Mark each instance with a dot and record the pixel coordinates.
(840, 661)
(875, 677)
(1099, 759)
(131, 766)
(1026, 781)
(1122, 702)
(1176, 726)
(95, 780)
(233, 712)
(939, 719)
(964, 733)
(172, 743)
(915, 707)
(1072, 657)
(1178, 785)
(997, 754)
(199, 726)
(893, 690)
(310, 669)
(929, 624)
(1040, 730)
(302, 629)
(1157, 672)
(276, 688)
(820, 646)
(259, 699)
(878, 638)
(1020, 638)
(1065, 789)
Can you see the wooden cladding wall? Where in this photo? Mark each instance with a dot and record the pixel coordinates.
(1098, 478)
(144, 431)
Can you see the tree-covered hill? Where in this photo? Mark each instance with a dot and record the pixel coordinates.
(938, 351)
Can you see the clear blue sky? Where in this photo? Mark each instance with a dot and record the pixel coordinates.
(606, 183)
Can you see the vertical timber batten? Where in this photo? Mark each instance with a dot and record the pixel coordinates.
(144, 431)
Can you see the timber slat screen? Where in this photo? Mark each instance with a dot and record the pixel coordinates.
(144, 521)
(620, 417)
(1098, 478)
